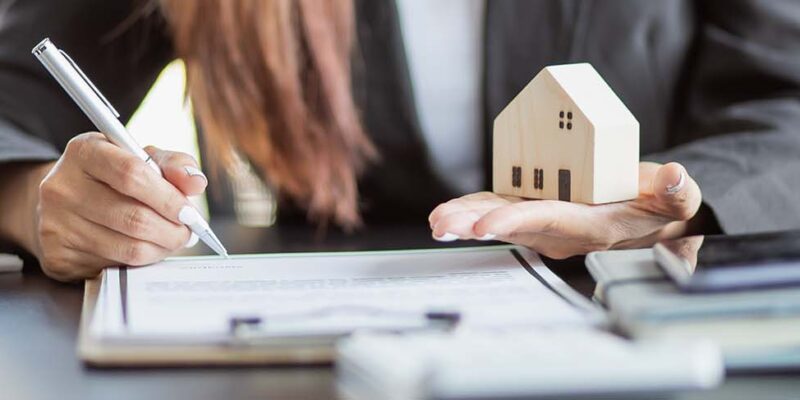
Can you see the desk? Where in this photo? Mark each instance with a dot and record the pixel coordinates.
(39, 324)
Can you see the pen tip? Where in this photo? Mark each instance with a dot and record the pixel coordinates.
(223, 251)
(213, 242)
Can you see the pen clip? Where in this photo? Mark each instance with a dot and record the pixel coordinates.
(89, 82)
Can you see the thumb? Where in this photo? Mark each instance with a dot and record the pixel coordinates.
(180, 169)
(677, 193)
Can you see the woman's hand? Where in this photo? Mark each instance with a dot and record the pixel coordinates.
(100, 206)
(668, 199)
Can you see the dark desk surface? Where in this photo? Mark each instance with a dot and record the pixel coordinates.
(39, 324)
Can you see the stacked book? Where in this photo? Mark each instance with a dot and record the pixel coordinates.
(756, 329)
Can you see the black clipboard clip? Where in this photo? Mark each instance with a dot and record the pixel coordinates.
(255, 330)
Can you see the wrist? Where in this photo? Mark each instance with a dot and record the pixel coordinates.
(19, 201)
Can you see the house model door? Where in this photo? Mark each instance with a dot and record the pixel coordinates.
(564, 178)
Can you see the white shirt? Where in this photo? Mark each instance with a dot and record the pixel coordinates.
(443, 48)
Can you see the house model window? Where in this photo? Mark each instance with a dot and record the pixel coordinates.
(561, 123)
(516, 177)
(576, 137)
(538, 178)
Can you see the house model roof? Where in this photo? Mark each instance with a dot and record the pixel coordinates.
(591, 94)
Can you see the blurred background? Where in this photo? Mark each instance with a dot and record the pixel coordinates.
(165, 120)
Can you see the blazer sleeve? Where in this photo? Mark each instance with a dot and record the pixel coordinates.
(741, 132)
(118, 43)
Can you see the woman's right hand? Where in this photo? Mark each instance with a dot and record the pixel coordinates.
(101, 206)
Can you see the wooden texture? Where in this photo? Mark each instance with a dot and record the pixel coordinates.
(567, 118)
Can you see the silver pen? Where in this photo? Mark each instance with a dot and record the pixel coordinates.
(106, 119)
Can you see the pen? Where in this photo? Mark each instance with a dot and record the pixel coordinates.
(105, 118)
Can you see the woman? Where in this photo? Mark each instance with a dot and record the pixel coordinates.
(354, 113)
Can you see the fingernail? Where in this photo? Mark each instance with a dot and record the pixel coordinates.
(488, 236)
(193, 239)
(447, 237)
(192, 171)
(188, 215)
(672, 189)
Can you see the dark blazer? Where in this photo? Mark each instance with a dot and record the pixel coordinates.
(715, 85)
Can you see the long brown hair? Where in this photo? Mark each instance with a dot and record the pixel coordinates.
(270, 79)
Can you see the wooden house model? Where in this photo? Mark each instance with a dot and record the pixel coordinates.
(567, 136)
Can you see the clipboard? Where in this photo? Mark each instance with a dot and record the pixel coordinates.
(95, 352)
(251, 344)
(247, 345)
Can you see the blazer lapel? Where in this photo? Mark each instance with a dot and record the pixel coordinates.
(403, 182)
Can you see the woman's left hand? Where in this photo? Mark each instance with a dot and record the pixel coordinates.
(668, 199)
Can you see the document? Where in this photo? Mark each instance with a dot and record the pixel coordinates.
(197, 298)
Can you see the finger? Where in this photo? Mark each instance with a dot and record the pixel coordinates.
(690, 249)
(132, 177)
(457, 225)
(457, 211)
(538, 216)
(180, 169)
(677, 193)
(130, 217)
(661, 231)
(111, 245)
(463, 203)
(647, 173)
(74, 265)
(85, 265)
